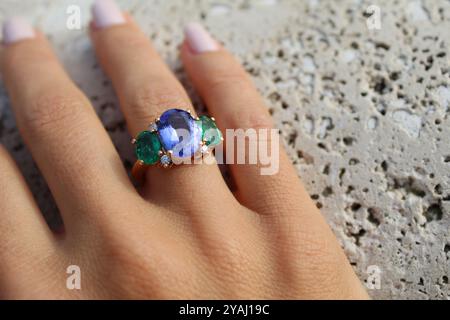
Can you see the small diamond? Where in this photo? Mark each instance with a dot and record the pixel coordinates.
(204, 149)
(153, 127)
(165, 160)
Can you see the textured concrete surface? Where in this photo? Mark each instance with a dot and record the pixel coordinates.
(364, 113)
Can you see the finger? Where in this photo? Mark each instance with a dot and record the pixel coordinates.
(25, 239)
(287, 209)
(146, 88)
(235, 103)
(60, 127)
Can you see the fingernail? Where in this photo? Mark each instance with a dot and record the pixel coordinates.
(106, 13)
(199, 40)
(16, 29)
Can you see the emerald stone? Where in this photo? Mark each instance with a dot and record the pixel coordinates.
(211, 135)
(148, 147)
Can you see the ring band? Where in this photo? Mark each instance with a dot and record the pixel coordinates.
(173, 138)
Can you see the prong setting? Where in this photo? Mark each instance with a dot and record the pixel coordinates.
(166, 160)
(204, 149)
(156, 148)
(153, 127)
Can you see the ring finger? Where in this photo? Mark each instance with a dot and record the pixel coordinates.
(146, 88)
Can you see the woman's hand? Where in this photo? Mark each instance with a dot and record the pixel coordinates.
(186, 235)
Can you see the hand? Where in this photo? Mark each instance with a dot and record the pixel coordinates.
(185, 235)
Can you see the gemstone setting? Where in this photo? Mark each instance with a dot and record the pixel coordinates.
(179, 133)
(148, 147)
(176, 136)
(165, 160)
(204, 149)
(153, 127)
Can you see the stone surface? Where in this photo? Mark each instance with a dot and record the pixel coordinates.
(364, 113)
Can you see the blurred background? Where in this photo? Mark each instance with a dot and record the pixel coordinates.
(360, 91)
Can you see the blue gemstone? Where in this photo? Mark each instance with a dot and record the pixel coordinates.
(179, 132)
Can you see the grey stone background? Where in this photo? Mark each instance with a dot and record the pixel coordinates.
(364, 113)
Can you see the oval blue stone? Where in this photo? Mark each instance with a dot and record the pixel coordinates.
(179, 132)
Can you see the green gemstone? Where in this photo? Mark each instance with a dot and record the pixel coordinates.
(211, 135)
(148, 147)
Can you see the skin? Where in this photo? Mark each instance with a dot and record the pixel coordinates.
(265, 240)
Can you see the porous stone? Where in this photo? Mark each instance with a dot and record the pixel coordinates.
(364, 113)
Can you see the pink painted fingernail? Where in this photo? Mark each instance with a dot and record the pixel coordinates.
(106, 13)
(16, 29)
(199, 40)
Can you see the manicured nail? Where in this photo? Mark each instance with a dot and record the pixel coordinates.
(199, 40)
(106, 13)
(16, 29)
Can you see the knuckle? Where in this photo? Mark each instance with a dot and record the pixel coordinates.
(310, 256)
(229, 256)
(50, 112)
(155, 268)
(242, 115)
(26, 52)
(149, 103)
(130, 39)
(314, 240)
(278, 200)
(230, 79)
(246, 118)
